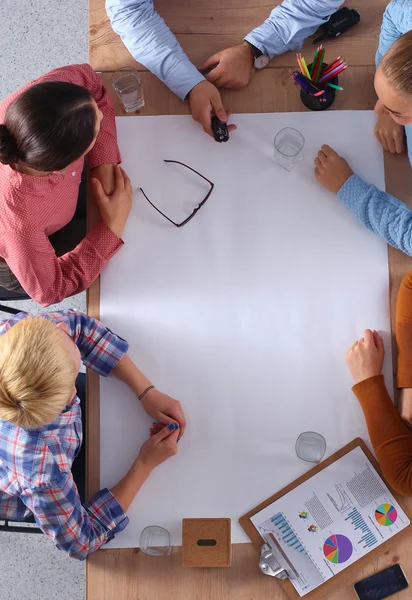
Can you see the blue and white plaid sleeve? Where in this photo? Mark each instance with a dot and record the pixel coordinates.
(76, 529)
(100, 348)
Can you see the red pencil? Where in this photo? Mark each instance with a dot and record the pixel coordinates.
(333, 65)
(329, 76)
(318, 63)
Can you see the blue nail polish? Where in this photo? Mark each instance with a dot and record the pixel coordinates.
(176, 426)
(178, 440)
(172, 426)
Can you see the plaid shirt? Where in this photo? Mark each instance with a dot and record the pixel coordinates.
(35, 464)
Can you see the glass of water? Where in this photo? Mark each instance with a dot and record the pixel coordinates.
(126, 81)
(155, 541)
(310, 446)
(289, 144)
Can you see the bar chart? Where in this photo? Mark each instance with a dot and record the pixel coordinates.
(359, 523)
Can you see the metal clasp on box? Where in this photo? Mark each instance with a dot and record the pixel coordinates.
(274, 562)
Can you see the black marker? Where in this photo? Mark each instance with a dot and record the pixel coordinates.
(220, 130)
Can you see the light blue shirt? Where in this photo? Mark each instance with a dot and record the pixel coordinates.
(378, 211)
(150, 41)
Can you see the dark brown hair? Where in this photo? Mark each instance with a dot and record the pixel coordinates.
(48, 126)
(396, 64)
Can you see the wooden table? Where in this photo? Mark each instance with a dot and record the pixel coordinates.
(127, 574)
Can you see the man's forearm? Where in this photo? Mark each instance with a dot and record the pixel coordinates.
(290, 23)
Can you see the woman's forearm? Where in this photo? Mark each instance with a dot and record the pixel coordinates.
(127, 488)
(126, 371)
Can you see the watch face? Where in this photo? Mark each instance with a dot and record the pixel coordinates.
(261, 61)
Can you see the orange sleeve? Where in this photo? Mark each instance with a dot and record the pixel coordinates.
(404, 332)
(390, 437)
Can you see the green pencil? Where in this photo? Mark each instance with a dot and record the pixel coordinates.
(315, 58)
(335, 87)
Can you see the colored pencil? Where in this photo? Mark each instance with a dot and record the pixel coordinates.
(331, 75)
(333, 65)
(303, 61)
(318, 64)
(335, 87)
(300, 64)
(315, 58)
(318, 71)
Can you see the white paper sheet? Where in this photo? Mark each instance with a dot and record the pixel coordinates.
(244, 314)
(332, 520)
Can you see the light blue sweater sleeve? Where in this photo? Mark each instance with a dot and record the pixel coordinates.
(380, 212)
(290, 23)
(150, 41)
(397, 20)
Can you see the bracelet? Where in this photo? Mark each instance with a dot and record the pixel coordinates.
(145, 392)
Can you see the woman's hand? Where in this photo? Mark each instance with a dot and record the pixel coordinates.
(390, 134)
(165, 409)
(331, 170)
(159, 447)
(365, 357)
(114, 208)
(405, 406)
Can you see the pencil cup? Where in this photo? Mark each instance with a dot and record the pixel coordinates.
(322, 102)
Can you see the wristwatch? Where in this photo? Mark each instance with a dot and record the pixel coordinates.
(260, 60)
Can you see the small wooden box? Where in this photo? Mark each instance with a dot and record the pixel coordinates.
(206, 542)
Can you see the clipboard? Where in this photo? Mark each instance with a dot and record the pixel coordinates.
(352, 571)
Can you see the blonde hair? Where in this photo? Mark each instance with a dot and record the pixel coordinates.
(37, 373)
(396, 64)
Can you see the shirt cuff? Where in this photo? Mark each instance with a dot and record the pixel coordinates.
(183, 78)
(105, 508)
(352, 189)
(105, 151)
(104, 241)
(256, 40)
(371, 392)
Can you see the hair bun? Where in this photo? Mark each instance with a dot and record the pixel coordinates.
(8, 147)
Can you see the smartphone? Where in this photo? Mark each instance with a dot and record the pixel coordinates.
(382, 584)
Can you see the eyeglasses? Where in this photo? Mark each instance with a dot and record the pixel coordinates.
(212, 185)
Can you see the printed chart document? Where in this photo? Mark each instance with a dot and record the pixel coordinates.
(333, 519)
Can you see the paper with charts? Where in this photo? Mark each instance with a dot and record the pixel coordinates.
(244, 314)
(333, 519)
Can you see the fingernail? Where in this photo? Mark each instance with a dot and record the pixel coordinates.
(172, 426)
(178, 440)
(176, 426)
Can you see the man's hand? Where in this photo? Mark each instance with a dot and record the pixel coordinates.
(365, 357)
(165, 409)
(204, 101)
(159, 448)
(390, 134)
(106, 175)
(331, 170)
(231, 68)
(114, 208)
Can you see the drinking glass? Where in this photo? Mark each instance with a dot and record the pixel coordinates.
(288, 143)
(126, 81)
(155, 541)
(310, 446)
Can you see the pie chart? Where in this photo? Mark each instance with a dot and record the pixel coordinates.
(338, 548)
(386, 515)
